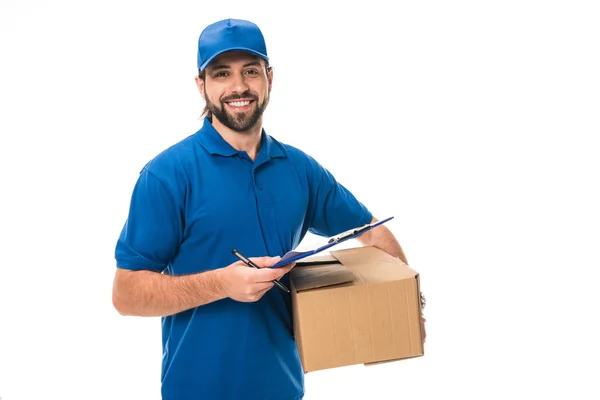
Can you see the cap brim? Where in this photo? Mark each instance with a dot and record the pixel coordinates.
(256, 53)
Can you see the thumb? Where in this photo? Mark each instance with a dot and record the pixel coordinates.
(272, 261)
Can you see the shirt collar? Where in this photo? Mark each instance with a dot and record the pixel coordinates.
(214, 143)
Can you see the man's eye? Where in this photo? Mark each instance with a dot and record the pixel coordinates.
(252, 72)
(220, 74)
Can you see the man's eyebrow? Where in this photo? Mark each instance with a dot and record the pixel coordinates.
(219, 66)
(253, 63)
(227, 66)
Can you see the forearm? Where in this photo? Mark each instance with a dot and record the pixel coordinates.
(382, 238)
(147, 293)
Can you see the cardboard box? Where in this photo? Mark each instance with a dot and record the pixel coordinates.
(355, 306)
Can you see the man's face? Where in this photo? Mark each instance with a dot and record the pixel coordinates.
(236, 89)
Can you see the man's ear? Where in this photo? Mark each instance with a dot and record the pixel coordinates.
(200, 84)
(270, 77)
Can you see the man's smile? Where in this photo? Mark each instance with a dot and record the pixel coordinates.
(239, 105)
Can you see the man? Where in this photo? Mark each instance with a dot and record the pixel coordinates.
(227, 331)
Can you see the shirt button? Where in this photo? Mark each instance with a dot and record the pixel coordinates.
(259, 186)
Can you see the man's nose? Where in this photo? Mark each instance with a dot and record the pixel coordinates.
(239, 84)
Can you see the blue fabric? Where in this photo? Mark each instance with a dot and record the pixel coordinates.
(193, 204)
(227, 35)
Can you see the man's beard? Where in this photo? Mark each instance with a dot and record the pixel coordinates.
(238, 122)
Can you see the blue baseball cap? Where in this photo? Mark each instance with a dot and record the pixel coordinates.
(227, 35)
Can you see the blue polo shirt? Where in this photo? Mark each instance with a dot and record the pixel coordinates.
(193, 204)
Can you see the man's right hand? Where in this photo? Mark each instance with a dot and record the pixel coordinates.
(247, 284)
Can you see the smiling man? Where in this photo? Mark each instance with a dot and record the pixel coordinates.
(241, 111)
(236, 86)
(226, 330)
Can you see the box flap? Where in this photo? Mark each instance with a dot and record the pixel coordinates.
(371, 265)
(317, 276)
(318, 259)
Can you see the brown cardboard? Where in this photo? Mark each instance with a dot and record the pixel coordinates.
(374, 317)
(316, 276)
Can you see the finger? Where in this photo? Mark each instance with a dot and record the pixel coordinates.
(268, 274)
(262, 286)
(261, 293)
(264, 262)
(255, 296)
(270, 261)
(286, 268)
(289, 265)
(281, 271)
(256, 291)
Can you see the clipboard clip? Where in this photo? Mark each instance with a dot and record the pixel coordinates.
(347, 234)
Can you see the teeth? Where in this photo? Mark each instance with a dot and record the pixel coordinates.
(239, 103)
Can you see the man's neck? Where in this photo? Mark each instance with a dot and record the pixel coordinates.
(248, 141)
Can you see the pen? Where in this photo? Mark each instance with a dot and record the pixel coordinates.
(251, 264)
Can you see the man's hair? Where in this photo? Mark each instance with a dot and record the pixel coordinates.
(206, 112)
(202, 75)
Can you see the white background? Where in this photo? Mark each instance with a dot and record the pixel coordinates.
(474, 123)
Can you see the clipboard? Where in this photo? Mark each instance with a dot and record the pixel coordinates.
(291, 256)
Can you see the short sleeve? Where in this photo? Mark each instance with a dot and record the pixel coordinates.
(332, 207)
(152, 232)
